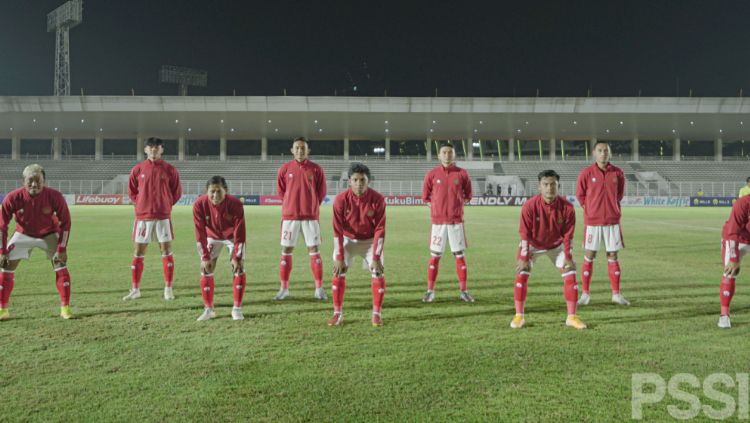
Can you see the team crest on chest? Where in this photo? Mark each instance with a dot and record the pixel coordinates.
(455, 182)
(227, 216)
(20, 211)
(593, 179)
(46, 210)
(438, 181)
(291, 175)
(370, 213)
(559, 220)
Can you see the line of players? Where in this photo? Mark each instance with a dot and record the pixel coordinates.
(547, 225)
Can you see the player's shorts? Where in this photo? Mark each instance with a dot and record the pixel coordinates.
(727, 250)
(215, 246)
(144, 231)
(446, 233)
(290, 230)
(556, 255)
(358, 247)
(611, 234)
(20, 246)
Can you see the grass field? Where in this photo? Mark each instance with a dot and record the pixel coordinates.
(149, 360)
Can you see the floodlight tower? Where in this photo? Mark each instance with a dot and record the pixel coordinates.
(60, 21)
(184, 77)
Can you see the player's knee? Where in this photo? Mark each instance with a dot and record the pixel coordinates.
(313, 249)
(287, 250)
(458, 254)
(612, 255)
(435, 254)
(590, 254)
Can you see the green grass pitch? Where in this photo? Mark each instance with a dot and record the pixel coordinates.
(149, 360)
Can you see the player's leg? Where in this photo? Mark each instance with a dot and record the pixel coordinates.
(239, 281)
(377, 283)
(142, 230)
(311, 233)
(208, 286)
(62, 276)
(591, 241)
(727, 286)
(438, 239)
(165, 236)
(338, 285)
(570, 287)
(613, 244)
(457, 240)
(521, 287)
(7, 282)
(290, 230)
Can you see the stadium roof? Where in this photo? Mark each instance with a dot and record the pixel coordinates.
(375, 118)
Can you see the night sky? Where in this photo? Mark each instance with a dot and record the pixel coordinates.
(407, 48)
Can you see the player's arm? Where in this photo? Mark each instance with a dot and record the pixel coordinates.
(620, 186)
(569, 229)
(738, 219)
(466, 187)
(240, 237)
(378, 241)
(176, 186)
(321, 188)
(133, 185)
(526, 231)
(427, 189)
(581, 189)
(63, 215)
(201, 239)
(6, 214)
(339, 266)
(281, 182)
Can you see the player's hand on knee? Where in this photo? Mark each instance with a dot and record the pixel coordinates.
(3, 261)
(377, 268)
(570, 265)
(522, 265)
(732, 269)
(60, 259)
(207, 266)
(236, 266)
(339, 267)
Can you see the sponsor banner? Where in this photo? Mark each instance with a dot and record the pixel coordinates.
(666, 201)
(498, 201)
(2, 197)
(187, 200)
(249, 200)
(99, 199)
(712, 201)
(632, 201)
(403, 200)
(270, 200)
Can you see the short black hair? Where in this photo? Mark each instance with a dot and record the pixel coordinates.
(746, 180)
(549, 173)
(447, 144)
(359, 168)
(217, 180)
(302, 139)
(154, 142)
(599, 142)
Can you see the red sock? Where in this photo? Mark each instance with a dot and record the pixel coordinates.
(238, 284)
(207, 290)
(520, 290)
(726, 294)
(136, 271)
(378, 292)
(432, 272)
(285, 269)
(167, 262)
(337, 290)
(588, 271)
(613, 267)
(62, 280)
(570, 290)
(6, 283)
(461, 272)
(316, 265)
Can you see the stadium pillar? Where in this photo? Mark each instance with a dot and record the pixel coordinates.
(56, 147)
(222, 148)
(98, 147)
(676, 149)
(552, 149)
(181, 148)
(263, 148)
(718, 150)
(15, 147)
(346, 148)
(636, 150)
(139, 148)
(470, 149)
(428, 148)
(511, 149)
(387, 148)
